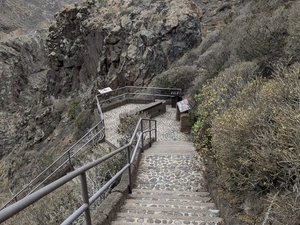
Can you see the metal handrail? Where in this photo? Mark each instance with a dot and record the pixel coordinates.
(67, 154)
(84, 208)
(20, 204)
(143, 88)
(31, 186)
(127, 91)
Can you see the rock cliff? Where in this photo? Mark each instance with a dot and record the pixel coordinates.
(117, 43)
(45, 75)
(90, 45)
(18, 17)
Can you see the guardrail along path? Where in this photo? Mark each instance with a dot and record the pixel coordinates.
(169, 189)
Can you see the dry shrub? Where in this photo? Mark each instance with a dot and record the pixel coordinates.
(256, 141)
(128, 125)
(214, 60)
(52, 209)
(82, 123)
(179, 77)
(293, 44)
(257, 32)
(216, 96)
(285, 209)
(58, 205)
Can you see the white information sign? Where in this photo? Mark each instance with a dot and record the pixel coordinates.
(105, 90)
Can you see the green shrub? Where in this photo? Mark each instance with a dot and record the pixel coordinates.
(72, 109)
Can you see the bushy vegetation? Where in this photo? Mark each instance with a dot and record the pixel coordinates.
(128, 125)
(82, 123)
(247, 113)
(178, 76)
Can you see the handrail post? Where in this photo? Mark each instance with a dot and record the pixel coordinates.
(155, 130)
(71, 166)
(142, 130)
(150, 133)
(129, 171)
(85, 197)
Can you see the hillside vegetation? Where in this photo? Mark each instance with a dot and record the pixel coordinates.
(246, 110)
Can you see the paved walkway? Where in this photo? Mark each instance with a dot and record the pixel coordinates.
(167, 126)
(169, 189)
(170, 186)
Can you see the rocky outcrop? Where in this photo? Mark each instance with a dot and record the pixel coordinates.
(18, 17)
(90, 45)
(117, 43)
(23, 69)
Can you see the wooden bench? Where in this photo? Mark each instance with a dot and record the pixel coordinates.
(153, 109)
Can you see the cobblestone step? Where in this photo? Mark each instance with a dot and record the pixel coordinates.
(169, 198)
(171, 148)
(169, 189)
(170, 193)
(169, 204)
(165, 219)
(170, 211)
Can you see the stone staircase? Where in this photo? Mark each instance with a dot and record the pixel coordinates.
(169, 189)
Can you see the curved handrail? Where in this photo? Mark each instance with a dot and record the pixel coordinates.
(34, 197)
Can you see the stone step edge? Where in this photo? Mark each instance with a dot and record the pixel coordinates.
(176, 203)
(168, 209)
(167, 153)
(170, 147)
(177, 147)
(177, 193)
(146, 223)
(168, 217)
(174, 142)
(153, 197)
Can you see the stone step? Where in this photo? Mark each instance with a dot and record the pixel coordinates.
(171, 187)
(171, 204)
(168, 198)
(171, 148)
(173, 143)
(165, 219)
(170, 193)
(168, 210)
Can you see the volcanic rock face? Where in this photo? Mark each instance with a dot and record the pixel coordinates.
(23, 69)
(19, 17)
(90, 45)
(117, 43)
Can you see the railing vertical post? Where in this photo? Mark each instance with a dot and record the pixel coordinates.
(129, 171)
(85, 197)
(142, 130)
(71, 166)
(150, 133)
(155, 130)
